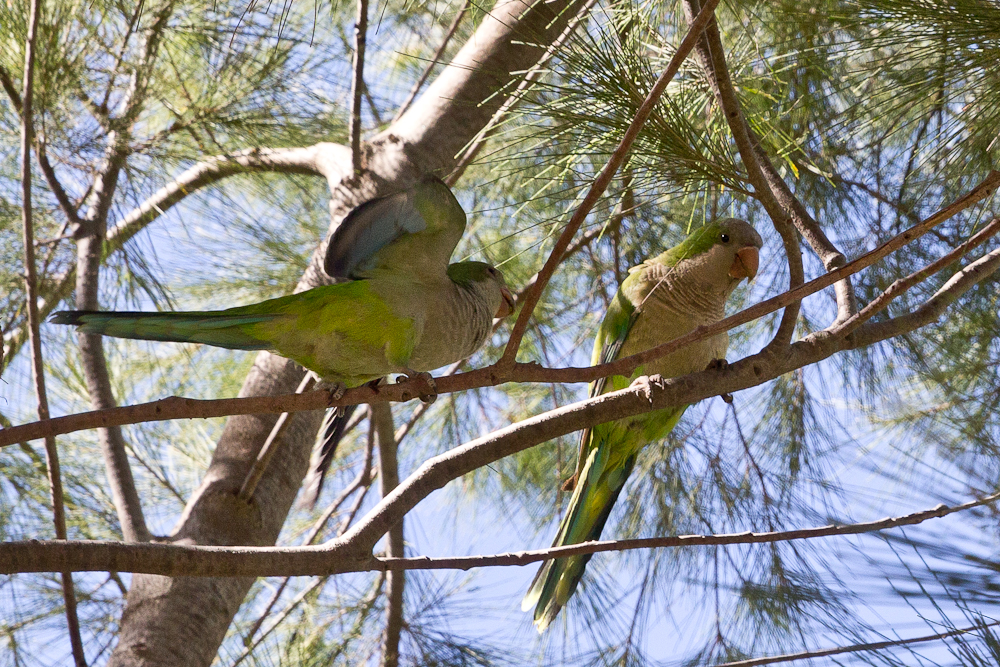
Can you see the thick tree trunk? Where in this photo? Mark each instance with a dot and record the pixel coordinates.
(183, 621)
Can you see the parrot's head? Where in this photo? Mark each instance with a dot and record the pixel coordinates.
(486, 282)
(725, 252)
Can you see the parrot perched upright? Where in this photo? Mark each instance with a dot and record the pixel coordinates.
(663, 298)
(402, 308)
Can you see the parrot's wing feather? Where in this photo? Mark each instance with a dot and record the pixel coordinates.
(417, 229)
(611, 336)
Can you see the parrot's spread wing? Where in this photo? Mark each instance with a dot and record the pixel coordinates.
(414, 230)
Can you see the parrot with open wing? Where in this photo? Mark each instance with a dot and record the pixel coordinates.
(663, 298)
(402, 308)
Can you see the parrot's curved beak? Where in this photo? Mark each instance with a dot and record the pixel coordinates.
(507, 305)
(746, 263)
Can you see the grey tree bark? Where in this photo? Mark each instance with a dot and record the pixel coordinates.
(183, 621)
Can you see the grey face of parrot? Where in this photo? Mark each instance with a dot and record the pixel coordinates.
(507, 303)
(487, 283)
(735, 255)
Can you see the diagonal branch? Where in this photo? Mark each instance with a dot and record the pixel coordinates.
(856, 648)
(713, 58)
(601, 183)
(469, 153)
(772, 190)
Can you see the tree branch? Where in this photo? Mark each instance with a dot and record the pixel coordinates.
(339, 557)
(434, 60)
(31, 297)
(713, 59)
(178, 408)
(306, 160)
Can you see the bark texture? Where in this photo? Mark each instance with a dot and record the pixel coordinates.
(182, 621)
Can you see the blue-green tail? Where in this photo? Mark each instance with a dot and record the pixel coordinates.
(593, 498)
(218, 328)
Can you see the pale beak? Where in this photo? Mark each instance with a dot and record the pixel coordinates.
(746, 263)
(507, 306)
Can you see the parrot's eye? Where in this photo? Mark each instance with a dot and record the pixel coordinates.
(725, 238)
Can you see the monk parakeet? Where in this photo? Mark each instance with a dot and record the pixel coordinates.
(403, 307)
(662, 298)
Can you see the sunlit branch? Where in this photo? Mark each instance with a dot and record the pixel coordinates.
(180, 408)
(358, 83)
(601, 183)
(433, 61)
(31, 296)
(470, 152)
(305, 160)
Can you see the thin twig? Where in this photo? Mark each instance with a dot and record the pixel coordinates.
(856, 648)
(363, 480)
(358, 83)
(433, 62)
(381, 416)
(37, 366)
(269, 447)
(601, 183)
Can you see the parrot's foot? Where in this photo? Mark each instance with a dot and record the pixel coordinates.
(569, 484)
(719, 365)
(335, 391)
(431, 393)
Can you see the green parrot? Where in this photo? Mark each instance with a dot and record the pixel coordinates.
(402, 308)
(662, 298)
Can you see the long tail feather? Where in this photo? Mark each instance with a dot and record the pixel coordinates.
(557, 579)
(331, 431)
(218, 328)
